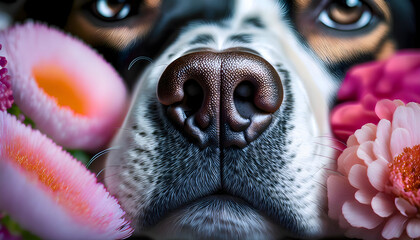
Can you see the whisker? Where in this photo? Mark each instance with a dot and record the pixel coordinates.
(96, 156)
(331, 158)
(138, 59)
(329, 137)
(103, 169)
(333, 147)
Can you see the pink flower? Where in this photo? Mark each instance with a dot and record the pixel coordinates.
(6, 94)
(51, 194)
(376, 194)
(366, 84)
(71, 93)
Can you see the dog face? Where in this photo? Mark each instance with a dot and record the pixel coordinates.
(227, 135)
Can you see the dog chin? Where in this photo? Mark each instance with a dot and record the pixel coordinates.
(216, 217)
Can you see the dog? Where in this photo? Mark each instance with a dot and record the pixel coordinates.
(227, 136)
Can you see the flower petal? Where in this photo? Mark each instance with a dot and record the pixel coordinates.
(366, 133)
(360, 215)
(385, 108)
(352, 141)
(394, 227)
(400, 139)
(383, 204)
(405, 208)
(358, 176)
(413, 228)
(71, 93)
(365, 152)
(347, 159)
(378, 173)
(339, 191)
(358, 179)
(364, 196)
(65, 199)
(413, 126)
(381, 147)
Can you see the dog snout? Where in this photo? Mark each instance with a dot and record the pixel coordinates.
(220, 98)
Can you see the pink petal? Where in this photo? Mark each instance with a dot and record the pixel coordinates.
(364, 196)
(414, 127)
(65, 200)
(413, 228)
(385, 108)
(339, 190)
(378, 173)
(383, 205)
(402, 62)
(347, 159)
(381, 147)
(365, 152)
(360, 215)
(400, 139)
(405, 208)
(346, 118)
(366, 133)
(100, 89)
(342, 222)
(406, 117)
(394, 227)
(358, 177)
(352, 141)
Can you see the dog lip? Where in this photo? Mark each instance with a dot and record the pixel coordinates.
(230, 210)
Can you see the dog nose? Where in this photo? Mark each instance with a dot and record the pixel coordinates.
(221, 98)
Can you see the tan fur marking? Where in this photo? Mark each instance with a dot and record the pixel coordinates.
(386, 51)
(302, 4)
(332, 48)
(117, 37)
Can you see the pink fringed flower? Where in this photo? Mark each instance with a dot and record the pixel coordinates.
(64, 86)
(50, 193)
(6, 94)
(377, 192)
(366, 84)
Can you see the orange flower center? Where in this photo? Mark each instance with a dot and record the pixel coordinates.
(405, 174)
(59, 85)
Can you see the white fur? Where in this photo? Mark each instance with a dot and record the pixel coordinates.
(311, 86)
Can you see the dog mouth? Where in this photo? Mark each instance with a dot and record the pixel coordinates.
(216, 216)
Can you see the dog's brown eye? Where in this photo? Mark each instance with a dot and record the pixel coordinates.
(346, 15)
(112, 9)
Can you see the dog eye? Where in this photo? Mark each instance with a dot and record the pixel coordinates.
(112, 10)
(346, 15)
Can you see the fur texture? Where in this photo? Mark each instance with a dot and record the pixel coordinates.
(272, 188)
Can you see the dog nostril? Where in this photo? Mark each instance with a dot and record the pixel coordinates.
(244, 90)
(243, 98)
(193, 97)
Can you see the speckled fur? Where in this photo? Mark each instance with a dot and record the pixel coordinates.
(273, 188)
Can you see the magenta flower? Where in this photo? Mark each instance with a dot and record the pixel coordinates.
(366, 84)
(6, 94)
(376, 193)
(51, 194)
(71, 93)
